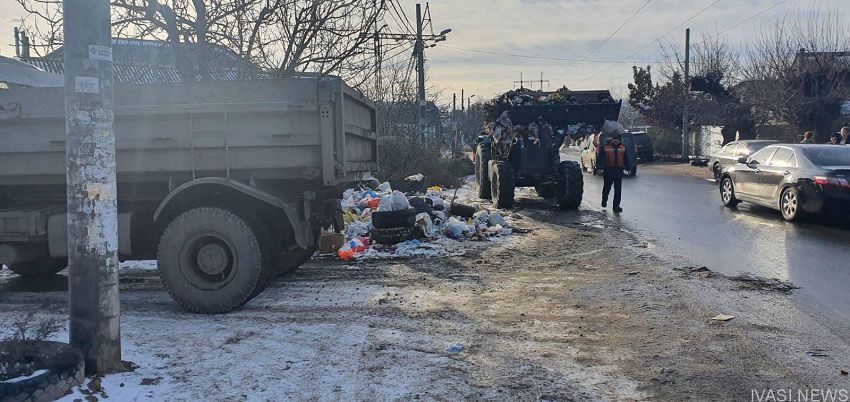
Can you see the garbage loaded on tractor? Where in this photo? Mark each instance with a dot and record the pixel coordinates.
(521, 144)
(225, 183)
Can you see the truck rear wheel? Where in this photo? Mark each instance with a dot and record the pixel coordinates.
(502, 184)
(571, 188)
(211, 260)
(43, 267)
(482, 174)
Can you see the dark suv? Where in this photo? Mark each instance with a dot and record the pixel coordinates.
(643, 147)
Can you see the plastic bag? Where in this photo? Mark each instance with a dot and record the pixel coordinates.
(385, 187)
(423, 221)
(482, 217)
(353, 248)
(456, 229)
(399, 201)
(497, 219)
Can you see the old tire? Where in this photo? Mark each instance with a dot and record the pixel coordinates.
(482, 174)
(392, 236)
(501, 184)
(64, 369)
(40, 268)
(211, 260)
(571, 188)
(727, 193)
(394, 219)
(789, 204)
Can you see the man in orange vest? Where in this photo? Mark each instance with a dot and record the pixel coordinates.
(612, 160)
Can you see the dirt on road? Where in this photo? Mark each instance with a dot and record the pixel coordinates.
(578, 308)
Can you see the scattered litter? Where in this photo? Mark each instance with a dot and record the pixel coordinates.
(439, 222)
(350, 250)
(633, 273)
(415, 177)
(845, 373)
(703, 272)
(455, 348)
(722, 317)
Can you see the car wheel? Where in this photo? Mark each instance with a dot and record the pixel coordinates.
(789, 204)
(717, 172)
(727, 193)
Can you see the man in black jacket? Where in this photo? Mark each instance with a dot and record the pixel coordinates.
(613, 161)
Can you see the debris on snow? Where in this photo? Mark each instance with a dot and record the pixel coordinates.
(441, 225)
(722, 317)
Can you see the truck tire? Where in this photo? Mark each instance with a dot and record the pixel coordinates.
(40, 268)
(482, 175)
(297, 256)
(571, 188)
(210, 260)
(501, 184)
(394, 219)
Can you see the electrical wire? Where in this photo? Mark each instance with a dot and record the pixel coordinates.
(657, 40)
(530, 56)
(599, 46)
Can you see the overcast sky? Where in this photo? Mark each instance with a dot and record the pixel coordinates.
(565, 29)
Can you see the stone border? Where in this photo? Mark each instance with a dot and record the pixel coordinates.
(67, 372)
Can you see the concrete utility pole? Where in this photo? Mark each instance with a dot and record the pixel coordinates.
(685, 120)
(92, 197)
(420, 67)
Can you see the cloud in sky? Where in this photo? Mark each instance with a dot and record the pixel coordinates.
(560, 29)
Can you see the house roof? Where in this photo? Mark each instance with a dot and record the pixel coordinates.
(139, 61)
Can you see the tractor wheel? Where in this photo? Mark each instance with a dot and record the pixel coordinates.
(571, 188)
(482, 161)
(501, 184)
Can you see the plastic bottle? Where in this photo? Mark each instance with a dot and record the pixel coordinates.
(353, 247)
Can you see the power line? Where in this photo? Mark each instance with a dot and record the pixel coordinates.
(657, 40)
(648, 2)
(525, 56)
(748, 19)
(396, 16)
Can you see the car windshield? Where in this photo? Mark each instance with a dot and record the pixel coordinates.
(755, 146)
(829, 156)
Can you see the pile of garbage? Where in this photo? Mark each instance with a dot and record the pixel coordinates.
(381, 223)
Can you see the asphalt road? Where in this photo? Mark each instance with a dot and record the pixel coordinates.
(683, 216)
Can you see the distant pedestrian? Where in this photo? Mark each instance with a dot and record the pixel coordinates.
(845, 135)
(808, 138)
(835, 139)
(612, 160)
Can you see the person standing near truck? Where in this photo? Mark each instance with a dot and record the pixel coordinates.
(613, 161)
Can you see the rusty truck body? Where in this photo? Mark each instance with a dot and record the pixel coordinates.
(224, 183)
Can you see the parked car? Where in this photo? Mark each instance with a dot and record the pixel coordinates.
(643, 147)
(730, 153)
(590, 148)
(793, 178)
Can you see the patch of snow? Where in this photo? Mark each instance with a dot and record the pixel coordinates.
(26, 377)
(139, 264)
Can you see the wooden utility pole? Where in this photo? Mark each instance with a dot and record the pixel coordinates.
(542, 81)
(92, 197)
(420, 67)
(685, 119)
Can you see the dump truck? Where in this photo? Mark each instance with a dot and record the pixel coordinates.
(224, 183)
(520, 145)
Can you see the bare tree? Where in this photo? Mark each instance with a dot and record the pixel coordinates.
(797, 70)
(286, 37)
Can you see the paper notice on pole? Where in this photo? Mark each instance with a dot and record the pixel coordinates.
(88, 85)
(100, 53)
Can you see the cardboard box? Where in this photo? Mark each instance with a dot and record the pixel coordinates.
(329, 243)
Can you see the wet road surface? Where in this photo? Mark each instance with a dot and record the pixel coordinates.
(682, 216)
